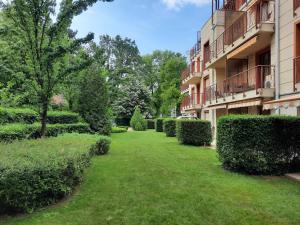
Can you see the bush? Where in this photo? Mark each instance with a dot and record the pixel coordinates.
(137, 122)
(116, 130)
(35, 174)
(259, 144)
(11, 115)
(159, 125)
(62, 117)
(122, 122)
(102, 146)
(11, 132)
(170, 127)
(194, 132)
(150, 124)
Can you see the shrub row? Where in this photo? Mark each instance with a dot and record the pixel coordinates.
(12, 132)
(35, 174)
(194, 132)
(259, 144)
(151, 124)
(11, 115)
(116, 130)
(159, 125)
(169, 126)
(62, 117)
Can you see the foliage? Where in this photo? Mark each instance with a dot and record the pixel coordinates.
(11, 132)
(102, 146)
(93, 102)
(47, 44)
(138, 122)
(62, 117)
(134, 94)
(17, 115)
(194, 132)
(150, 124)
(35, 174)
(116, 130)
(169, 126)
(159, 124)
(259, 144)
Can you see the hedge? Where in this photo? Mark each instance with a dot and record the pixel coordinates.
(102, 146)
(11, 132)
(116, 130)
(159, 127)
(170, 127)
(265, 145)
(194, 132)
(62, 117)
(150, 124)
(36, 174)
(18, 115)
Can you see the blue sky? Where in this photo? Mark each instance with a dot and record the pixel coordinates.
(153, 24)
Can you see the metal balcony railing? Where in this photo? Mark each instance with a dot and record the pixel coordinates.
(296, 71)
(262, 12)
(191, 101)
(258, 77)
(185, 73)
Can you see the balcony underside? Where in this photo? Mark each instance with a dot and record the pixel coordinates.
(264, 93)
(253, 41)
(194, 79)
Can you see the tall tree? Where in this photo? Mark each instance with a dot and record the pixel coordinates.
(46, 43)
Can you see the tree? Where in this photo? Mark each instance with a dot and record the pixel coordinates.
(47, 43)
(93, 102)
(138, 122)
(133, 94)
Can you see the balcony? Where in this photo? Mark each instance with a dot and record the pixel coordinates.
(297, 73)
(192, 102)
(195, 50)
(252, 28)
(190, 75)
(253, 83)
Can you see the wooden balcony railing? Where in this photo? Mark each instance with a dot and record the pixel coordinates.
(296, 71)
(253, 79)
(262, 12)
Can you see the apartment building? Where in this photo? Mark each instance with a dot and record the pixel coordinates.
(246, 61)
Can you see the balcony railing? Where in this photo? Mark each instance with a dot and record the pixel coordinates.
(195, 50)
(263, 12)
(191, 101)
(296, 71)
(185, 73)
(296, 4)
(253, 79)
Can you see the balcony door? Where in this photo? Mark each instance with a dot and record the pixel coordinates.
(297, 54)
(263, 70)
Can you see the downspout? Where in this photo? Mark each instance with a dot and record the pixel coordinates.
(277, 52)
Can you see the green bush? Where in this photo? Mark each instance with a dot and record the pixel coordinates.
(11, 115)
(159, 125)
(170, 127)
(151, 124)
(137, 122)
(35, 174)
(194, 132)
(116, 130)
(259, 144)
(62, 117)
(11, 132)
(102, 146)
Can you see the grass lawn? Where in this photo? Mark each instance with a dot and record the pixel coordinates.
(148, 179)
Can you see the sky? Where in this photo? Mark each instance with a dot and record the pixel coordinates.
(153, 24)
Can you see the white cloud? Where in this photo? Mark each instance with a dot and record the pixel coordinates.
(178, 4)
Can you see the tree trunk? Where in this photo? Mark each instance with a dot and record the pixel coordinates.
(44, 118)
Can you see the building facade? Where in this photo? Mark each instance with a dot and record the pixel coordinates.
(246, 61)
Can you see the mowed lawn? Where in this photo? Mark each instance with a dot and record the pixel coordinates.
(150, 179)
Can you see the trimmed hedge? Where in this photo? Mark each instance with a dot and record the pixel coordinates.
(194, 132)
(18, 115)
(36, 174)
(102, 146)
(62, 117)
(150, 124)
(170, 127)
(266, 145)
(116, 130)
(11, 132)
(159, 125)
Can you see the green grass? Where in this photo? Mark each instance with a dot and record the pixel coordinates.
(148, 179)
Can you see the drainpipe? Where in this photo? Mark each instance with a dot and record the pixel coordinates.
(277, 52)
